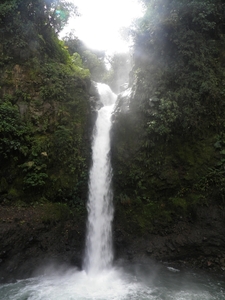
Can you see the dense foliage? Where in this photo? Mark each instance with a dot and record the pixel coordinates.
(93, 60)
(28, 27)
(179, 50)
(44, 108)
(111, 69)
(168, 150)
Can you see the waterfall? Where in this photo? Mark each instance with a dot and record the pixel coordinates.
(99, 252)
(99, 280)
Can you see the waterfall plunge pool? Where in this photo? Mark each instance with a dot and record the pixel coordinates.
(129, 282)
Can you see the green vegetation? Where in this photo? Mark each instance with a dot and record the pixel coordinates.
(119, 64)
(93, 60)
(28, 29)
(168, 151)
(44, 107)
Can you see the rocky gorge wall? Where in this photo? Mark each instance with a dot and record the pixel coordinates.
(168, 135)
(167, 208)
(35, 240)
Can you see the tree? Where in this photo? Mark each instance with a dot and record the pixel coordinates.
(120, 64)
(95, 64)
(27, 26)
(93, 60)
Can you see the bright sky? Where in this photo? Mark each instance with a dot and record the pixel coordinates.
(100, 22)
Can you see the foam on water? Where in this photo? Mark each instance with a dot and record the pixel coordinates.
(109, 285)
(114, 284)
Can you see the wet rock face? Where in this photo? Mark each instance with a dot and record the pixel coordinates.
(197, 242)
(123, 102)
(30, 243)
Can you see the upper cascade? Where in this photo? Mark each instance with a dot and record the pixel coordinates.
(107, 96)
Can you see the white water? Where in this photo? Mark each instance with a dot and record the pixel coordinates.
(140, 282)
(99, 253)
(100, 280)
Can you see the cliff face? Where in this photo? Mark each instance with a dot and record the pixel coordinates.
(44, 107)
(47, 112)
(46, 120)
(44, 132)
(167, 136)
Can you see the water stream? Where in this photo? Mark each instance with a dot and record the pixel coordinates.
(100, 280)
(99, 252)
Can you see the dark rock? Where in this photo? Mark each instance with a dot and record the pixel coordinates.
(192, 243)
(122, 103)
(149, 251)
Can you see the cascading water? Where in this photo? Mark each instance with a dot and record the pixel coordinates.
(99, 252)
